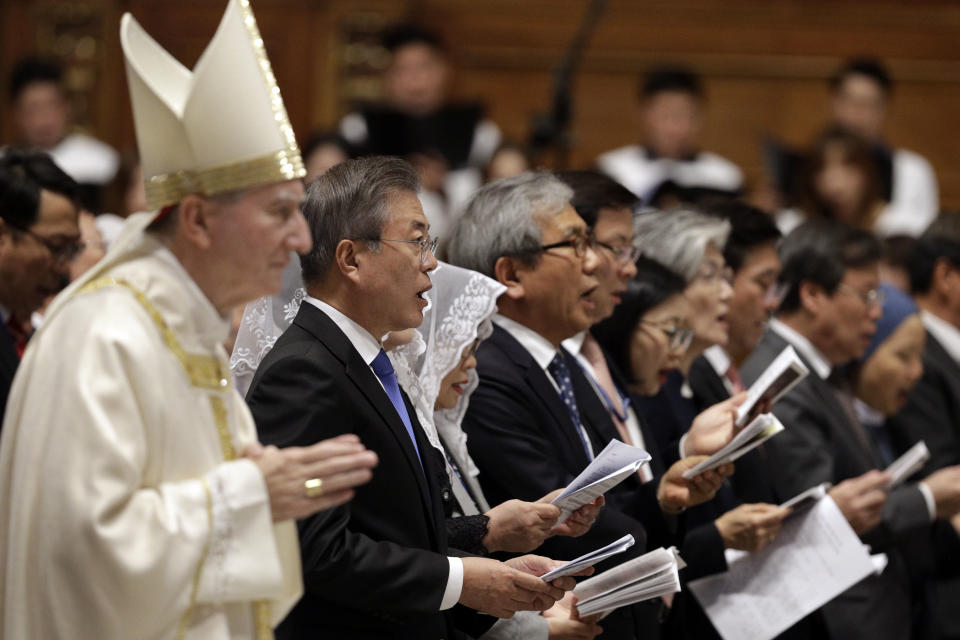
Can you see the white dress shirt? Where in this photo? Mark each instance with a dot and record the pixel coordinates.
(821, 366)
(946, 334)
(369, 347)
(542, 351)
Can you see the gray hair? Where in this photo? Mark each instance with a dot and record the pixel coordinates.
(350, 202)
(678, 238)
(501, 220)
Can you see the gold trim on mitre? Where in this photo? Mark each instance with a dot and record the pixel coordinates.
(170, 188)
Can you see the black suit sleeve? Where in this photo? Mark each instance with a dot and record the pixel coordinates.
(297, 402)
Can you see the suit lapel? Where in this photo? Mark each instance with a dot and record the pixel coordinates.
(544, 390)
(9, 360)
(836, 414)
(318, 324)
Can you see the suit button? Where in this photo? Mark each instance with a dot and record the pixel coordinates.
(446, 495)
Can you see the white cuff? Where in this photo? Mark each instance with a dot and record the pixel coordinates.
(683, 442)
(928, 498)
(451, 594)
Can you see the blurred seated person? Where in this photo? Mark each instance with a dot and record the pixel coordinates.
(322, 151)
(43, 117)
(861, 92)
(906, 184)
(510, 159)
(39, 238)
(671, 105)
(447, 142)
(839, 180)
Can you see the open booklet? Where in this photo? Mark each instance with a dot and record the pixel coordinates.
(652, 575)
(907, 464)
(590, 559)
(761, 429)
(783, 374)
(614, 464)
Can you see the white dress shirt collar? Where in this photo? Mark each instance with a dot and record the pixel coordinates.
(574, 344)
(718, 358)
(538, 346)
(945, 333)
(366, 345)
(802, 344)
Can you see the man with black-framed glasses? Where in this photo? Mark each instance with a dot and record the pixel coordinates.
(39, 235)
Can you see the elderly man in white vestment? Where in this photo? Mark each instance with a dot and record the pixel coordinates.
(134, 499)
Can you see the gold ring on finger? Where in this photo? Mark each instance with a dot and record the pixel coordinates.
(313, 487)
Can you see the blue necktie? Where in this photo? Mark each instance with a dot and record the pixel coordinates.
(561, 375)
(382, 366)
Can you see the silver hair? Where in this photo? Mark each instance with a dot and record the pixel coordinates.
(501, 220)
(350, 202)
(678, 238)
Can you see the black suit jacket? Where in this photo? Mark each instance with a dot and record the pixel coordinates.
(375, 567)
(932, 412)
(525, 445)
(9, 361)
(818, 445)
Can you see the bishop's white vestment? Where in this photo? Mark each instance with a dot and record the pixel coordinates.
(126, 510)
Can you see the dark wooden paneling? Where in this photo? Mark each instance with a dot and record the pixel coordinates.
(765, 62)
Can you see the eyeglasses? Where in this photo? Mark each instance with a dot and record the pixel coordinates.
(580, 243)
(60, 253)
(715, 275)
(426, 245)
(623, 255)
(874, 297)
(679, 337)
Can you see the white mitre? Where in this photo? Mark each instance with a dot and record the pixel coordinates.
(219, 128)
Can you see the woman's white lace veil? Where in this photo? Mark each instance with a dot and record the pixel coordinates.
(459, 308)
(461, 305)
(263, 321)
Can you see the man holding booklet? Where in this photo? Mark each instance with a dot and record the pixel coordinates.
(525, 430)
(828, 315)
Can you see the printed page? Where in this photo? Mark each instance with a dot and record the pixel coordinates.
(785, 372)
(816, 557)
(590, 559)
(761, 429)
(907, 464)
(614, 464)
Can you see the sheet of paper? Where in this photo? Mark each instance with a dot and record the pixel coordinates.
(907, 464)
(785, 372)
(760, 429)
(614, 464)
(816, 557)
(590, 559)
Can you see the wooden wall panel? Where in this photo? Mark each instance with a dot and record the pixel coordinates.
(765, 62)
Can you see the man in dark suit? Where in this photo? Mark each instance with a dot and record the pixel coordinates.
(526, 431)
(39, 235)
(932, 412)
(378, 567)
(828, 315)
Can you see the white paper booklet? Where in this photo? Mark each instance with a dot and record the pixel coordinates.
(652, 575)
(807, 499)
(761, 429)
(590, 559)
(614, 464)
(783, 374)
(907, 464)
(816, 557)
